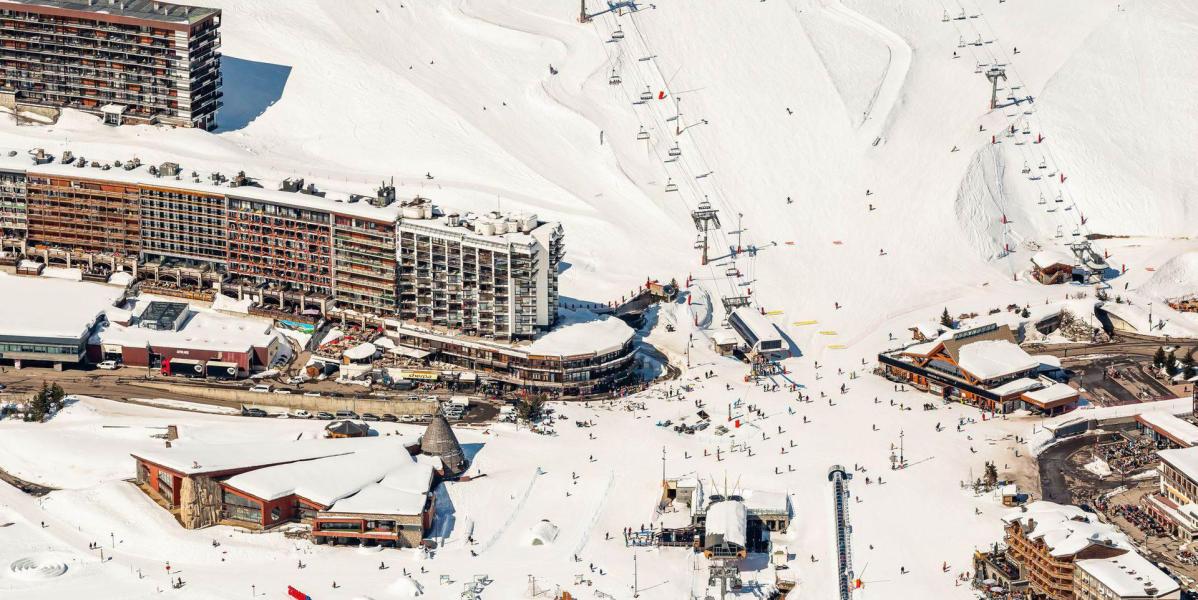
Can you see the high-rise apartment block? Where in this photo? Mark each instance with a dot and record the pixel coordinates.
(138, 61)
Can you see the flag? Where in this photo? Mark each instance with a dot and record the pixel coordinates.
(661, 95)
(298, 595)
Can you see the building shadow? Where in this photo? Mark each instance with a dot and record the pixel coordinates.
(250, 87)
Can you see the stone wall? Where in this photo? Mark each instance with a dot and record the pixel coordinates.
(330, 404)
(199, 502)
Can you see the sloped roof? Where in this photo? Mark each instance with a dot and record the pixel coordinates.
(729, 519)
(440, 441)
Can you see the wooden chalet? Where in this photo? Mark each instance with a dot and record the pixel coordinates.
(984, 367)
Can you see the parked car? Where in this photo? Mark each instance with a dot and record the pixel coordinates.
(407, 418)
(324, 416)
(312, 394)
(370, 417)
(300, 414)
(255, 412)
(390, 418)
(261, 388)
(282, 391)
(347, 414)
(108, 365)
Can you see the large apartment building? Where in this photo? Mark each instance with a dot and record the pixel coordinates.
(493, 274)
(140, 61)
(490, 275)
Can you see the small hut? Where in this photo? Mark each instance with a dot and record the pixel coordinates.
(726, 530)
(347, 429)
(440, 441)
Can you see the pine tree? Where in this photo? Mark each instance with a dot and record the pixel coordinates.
(1158, 359)
(56, 396)
(946, 319)
(1171, 364)
(39, 406)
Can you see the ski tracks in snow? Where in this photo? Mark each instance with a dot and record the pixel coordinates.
(886, 96)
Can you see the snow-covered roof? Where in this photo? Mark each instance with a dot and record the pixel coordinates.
(758, 501)
(56, 308)
(921, 349)
(1047, 258)
(193, 458)
(760, 327)
(988, 359)
(210, 331)
(1184, 460)
(1130, 575)
(1053, 393)
(1016, 386)
(1180, 431)
(1066, 530)
(1175, 406)
(724, 337)
(402, 491)
(326, 480)
(730, 519)
(582, 332)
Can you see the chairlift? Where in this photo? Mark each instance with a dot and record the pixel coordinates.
(1059, 233)
(1043, 163)
(1042, 200)
(647, 94)
(1077, 231)
(962, 17)
(699, 243)
(945, 18)
(1059, 198)
(732, 272)
(1026, 169)
(1027, 130)
(960, 42)
(675, 151)
(614, 79)
(642, 134)
(618, 34)
(671, 186)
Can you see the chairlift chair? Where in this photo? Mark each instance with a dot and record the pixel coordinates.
(945, 18)
(1059, 233)
(1043, 164)
(675, 151)
(618, 34)
(1026, 169)
(642, 134)
(647, 94)
(732, 272)
(1042, 200)
(614, 79)
(1059, 198)
(1077, 232)
(671, 186)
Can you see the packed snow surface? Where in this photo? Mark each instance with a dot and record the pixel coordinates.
(850, 149)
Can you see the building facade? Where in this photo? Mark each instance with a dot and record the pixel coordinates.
(140, 61)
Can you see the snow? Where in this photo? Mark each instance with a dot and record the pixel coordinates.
(1184, 460)
(988, 359)
(1022, 384)
(121, 278)
(1098, 467)
(582, 332)
(1129, 575)
(327, 480)
(1048, 258)
(729, 519)
(853, 72)
(1065, 529)
(1179, 430)
(542, 533)
(203, 330)
(39, 307)
(1051, 393)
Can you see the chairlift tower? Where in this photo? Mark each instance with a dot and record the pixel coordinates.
(582, 12)
(994, 74)
(732, 303)
(706, 218)
(726, 575)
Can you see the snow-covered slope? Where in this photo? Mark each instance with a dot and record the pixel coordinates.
(850, 141)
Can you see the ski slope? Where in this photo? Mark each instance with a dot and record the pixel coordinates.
(906, 196)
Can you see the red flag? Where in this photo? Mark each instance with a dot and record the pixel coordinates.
(661, 95)
(298, 595)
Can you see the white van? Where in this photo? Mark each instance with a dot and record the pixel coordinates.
(261, 388)
(108, 365)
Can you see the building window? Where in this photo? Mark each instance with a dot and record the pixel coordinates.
(241, 509)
